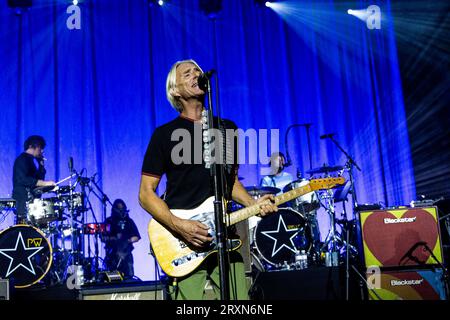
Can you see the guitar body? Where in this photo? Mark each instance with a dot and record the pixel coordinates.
(178, 259)
(175, 257)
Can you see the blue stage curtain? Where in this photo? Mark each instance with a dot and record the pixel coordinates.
(97, 94)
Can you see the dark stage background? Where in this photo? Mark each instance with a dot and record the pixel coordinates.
(97, 93)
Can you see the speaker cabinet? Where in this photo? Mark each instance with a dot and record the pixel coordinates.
(315, 283)
(424, 284)
(401, 237)
(122, 291)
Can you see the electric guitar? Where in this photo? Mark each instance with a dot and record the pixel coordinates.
(178, 258)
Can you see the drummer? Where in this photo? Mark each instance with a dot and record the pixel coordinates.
(28, 173)
(278, 178)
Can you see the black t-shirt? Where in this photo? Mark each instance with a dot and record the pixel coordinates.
(189, 182)
(26, 173)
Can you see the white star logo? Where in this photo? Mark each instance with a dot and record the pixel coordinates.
(283, 231)
(30, 267)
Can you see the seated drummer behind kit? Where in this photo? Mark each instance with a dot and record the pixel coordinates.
(28, 173)
(278, 178)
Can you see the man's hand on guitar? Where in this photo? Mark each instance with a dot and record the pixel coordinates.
(267, 204)
(194, 232)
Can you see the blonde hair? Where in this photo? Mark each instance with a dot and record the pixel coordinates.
(171, 83)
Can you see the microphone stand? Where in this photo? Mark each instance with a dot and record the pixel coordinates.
(445, 274)
(104, 200)
(221, 236)
(349, 164)
(84, 182)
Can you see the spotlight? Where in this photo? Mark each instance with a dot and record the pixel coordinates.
(159, 3)
(264, 3)
(350, 11)
(211, 7)
(75, 2)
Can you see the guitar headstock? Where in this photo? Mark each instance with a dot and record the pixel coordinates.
(326, 183)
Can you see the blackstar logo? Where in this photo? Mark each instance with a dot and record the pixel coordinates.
(396, 283)
(399, 220)
(127, 296)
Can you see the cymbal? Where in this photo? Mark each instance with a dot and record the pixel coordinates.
(325, 169)
(260, 191)
(40, 190)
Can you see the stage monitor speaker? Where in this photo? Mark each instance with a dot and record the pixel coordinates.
(401, 237)
(419, 284)
(147, 290)
(315, 283)
(4, 289)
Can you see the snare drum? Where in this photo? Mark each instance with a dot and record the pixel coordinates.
(25, 255)
(41, 212)
(279, 235)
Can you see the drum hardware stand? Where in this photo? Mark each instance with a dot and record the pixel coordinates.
(330, 243)
(349, 166)
(104, 200)
(76, 249)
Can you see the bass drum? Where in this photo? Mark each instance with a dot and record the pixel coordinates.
(25, 255)
(279, 235)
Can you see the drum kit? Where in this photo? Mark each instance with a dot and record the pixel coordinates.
(280, 240)
(52, 240)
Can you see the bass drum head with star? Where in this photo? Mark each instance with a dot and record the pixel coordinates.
(25, 255)
(279, 235)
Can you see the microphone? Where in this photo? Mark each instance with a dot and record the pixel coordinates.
(203, 79)
(328, 135)
(70, 164)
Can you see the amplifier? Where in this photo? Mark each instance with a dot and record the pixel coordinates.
(147, 290)
(423, 284)
(4, 289)
(401, 237)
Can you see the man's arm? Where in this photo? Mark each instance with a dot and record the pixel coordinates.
(193, 232)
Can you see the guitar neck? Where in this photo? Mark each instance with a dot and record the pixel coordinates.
(251, 211)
